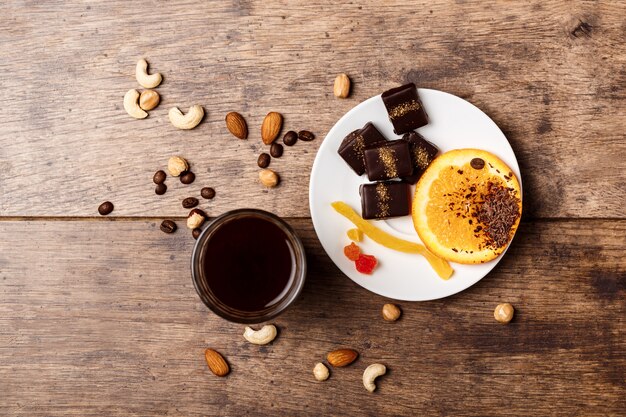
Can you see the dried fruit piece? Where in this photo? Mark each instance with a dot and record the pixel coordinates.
(366, 264)
(441, 266)
(355, 235)
(352, 251)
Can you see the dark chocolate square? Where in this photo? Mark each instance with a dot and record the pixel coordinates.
(388, 160)
(353, 145)
(422, 154)
(383, 200)
(404, 108)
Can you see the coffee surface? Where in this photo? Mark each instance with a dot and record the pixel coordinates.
(249, 263)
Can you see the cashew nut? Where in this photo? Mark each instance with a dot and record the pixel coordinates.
(371, 373)
(260, 337)
(131, 105)
(186, 121)
(143, 78)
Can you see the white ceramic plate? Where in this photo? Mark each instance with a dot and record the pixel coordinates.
(454, 123)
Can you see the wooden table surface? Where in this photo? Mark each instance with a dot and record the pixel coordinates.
(98, 316)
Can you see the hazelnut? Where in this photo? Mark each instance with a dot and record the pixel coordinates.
(391, 312)
(269, 178)
(320, 372)
(177, 165)
(196, 218)
(504, 313)
(149, 99)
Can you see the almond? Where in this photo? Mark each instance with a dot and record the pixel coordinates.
(270, 129)
(216, 362)
(342, 357)
(236, 124)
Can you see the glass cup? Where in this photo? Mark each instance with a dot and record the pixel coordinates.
(201, 275)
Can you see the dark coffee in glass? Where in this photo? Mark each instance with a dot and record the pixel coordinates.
(248, 265)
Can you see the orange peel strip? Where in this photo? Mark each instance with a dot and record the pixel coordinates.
(441, 266)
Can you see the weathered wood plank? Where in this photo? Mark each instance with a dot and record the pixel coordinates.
(101, 318)
(551, 74)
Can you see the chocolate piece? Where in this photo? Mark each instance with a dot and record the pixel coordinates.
(353, 145)
(422, 154)
(388, 160)
(404, 108)
(385, 199)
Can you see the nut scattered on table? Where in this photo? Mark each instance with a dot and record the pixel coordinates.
(342, 357)
(196, 218)
(504, 313)
(188, 120)
(260, 337)
(131, 105)
(321, 372)
(176, 165)
(341, 88)
(269, 178)
(143, 78)
(216, 362)
(196, 233)
(236, 124)
(391, 312)
(271, 126)
(149, 99)
(371, 373)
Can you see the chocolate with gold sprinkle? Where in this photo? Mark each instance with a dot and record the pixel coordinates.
(388, 160)
(404, 108)
(383, 200)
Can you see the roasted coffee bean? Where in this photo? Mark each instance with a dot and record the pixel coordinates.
(207, 192)
(305, 135)
(159, 177)
(168, 226)
(276, 150)
(187, 177)
(105, 208)
(477, 163)
(196, 232)
(160, 189)
(190, 202)
(290, 138)
(263, 161)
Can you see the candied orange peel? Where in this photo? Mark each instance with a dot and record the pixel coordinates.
(441, 266)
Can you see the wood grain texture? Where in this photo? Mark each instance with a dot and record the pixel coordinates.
(551, 74)
(101, 318)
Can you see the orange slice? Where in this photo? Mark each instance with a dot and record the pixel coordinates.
(467, 206)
